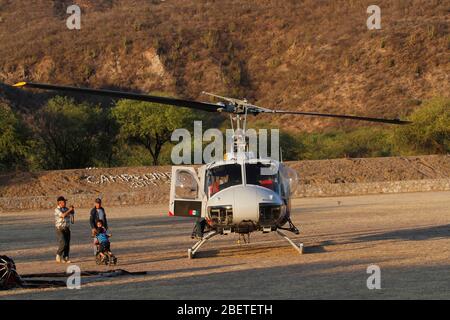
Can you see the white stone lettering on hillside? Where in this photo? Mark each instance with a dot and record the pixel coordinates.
(153, 179)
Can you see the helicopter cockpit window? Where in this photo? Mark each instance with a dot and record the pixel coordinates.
(222, 177)
(264, 175)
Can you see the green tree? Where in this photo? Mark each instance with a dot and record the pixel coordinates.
(73, 135)
(430, 131)
(13, 145)
(150, 125)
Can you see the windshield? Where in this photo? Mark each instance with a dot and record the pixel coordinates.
(264, 175)
(222, 177)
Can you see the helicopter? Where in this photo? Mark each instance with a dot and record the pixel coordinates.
(242, 193)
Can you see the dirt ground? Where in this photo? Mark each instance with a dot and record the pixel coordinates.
(406, 235)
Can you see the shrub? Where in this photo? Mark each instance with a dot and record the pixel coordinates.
(72, 135)
(13, 146)
(430, 131)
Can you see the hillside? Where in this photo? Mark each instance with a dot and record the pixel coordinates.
(298, 55)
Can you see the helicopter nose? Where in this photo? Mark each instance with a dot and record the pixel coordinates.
(245, 201)
(245, 204)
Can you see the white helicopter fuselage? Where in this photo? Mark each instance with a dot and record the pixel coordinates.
(239, 194)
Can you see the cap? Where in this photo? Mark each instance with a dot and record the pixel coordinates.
(61, 198)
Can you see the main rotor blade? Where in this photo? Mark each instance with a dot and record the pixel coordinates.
(203, 106)
(342, 116)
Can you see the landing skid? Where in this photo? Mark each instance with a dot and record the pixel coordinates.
(298, 247)
(192, 251)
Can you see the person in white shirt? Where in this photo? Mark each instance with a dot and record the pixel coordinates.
(63, 218)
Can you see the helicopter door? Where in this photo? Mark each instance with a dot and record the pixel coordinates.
(185, 198)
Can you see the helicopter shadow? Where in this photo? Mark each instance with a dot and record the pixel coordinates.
(413, 234)
(247, 250)
(410, 234)
(318, 248)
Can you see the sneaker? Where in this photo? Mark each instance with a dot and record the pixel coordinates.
(66, 260)
(58, 258)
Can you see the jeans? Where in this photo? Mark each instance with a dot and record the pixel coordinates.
(63, 236)
(104, 247)
(199, 227)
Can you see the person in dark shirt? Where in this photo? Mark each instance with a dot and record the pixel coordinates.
(97, 213)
